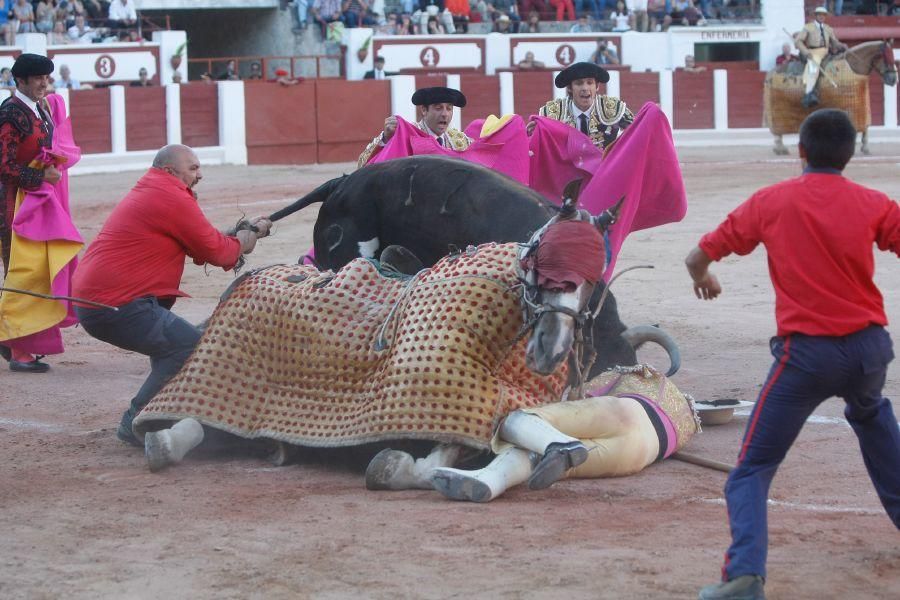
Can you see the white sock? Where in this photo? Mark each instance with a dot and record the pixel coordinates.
(531, 432)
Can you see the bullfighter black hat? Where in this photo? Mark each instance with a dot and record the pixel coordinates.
(581, 70)
(438, 95)
(31, 64)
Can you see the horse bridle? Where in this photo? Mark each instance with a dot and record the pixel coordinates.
(889, 65)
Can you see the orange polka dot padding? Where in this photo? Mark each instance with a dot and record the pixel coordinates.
(291, 356)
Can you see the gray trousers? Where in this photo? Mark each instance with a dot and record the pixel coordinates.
(146, 327)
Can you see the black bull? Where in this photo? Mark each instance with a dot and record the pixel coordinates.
(434, 205)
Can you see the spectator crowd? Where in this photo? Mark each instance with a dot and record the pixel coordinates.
(70, 21)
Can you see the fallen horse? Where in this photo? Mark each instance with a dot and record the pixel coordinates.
(347, 358)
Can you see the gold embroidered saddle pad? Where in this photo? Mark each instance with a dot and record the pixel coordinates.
(292, 355)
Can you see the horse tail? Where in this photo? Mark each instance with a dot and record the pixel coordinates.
(320, 194)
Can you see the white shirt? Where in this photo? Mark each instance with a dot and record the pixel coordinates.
(72, 84)
(86, 36)
(577, 112)
(444, 136)
(121, 12)
(379, 73)
(29, 103)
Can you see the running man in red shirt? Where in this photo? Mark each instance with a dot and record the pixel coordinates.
(818, 230)
(136, 263)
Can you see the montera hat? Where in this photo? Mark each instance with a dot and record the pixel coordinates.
(821, 10)
(31, 64)
(581, 70)
(438, 95)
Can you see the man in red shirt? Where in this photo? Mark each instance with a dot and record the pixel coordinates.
(136, 263)
(818, 230)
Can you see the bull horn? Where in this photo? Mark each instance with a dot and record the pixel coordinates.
(639, 335)
(605, 219)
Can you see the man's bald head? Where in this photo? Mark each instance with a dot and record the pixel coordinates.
(179, 161)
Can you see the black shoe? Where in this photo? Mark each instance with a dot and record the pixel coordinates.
(5, 353)
(557, 459)
(125, 434)
(33, 366)
(745, 587)
(809, 100)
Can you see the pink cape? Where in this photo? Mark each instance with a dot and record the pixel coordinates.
(560, 153)
(43, 216)
(505, 150)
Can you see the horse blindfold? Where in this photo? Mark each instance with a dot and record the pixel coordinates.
(568, 254)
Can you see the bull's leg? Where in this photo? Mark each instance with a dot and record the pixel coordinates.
(559, 452)
(396, 470)
(864, 147)
(510, 468)
(780, 149)
(169, 446)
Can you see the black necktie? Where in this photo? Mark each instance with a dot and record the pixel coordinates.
(440, 141)
(584, 127)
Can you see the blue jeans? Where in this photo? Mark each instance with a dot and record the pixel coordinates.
(598, 7)
(807, 371)
(145, 327)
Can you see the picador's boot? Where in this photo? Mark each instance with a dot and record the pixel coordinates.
(809, 100)
(169, 446)
(559, 452)
(745, 587)
(396, 470)
(510, 468)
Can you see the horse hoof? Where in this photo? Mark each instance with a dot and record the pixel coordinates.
(282, 455)
(865, 150)
(158, 450)
(557, 459)
(384, 470)
(781, 151)
(458, 485)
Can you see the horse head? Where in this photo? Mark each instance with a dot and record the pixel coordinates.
(560, 267)
(874, 56)
(886, 65)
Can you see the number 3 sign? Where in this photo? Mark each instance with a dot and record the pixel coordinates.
(105, 66)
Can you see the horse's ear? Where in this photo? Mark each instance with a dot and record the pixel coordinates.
(608, 216)
(570, 197)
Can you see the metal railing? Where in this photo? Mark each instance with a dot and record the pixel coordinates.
(309, 66)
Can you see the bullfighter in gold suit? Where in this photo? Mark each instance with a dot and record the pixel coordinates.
(815, 42)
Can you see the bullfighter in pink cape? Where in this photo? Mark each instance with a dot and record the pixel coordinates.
(40, 240)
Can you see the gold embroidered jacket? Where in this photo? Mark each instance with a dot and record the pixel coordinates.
(608, 116)
(453, 138)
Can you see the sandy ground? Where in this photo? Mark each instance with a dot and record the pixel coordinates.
(82, 517)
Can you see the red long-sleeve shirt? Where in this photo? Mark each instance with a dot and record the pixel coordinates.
(818, 230)
(141, 248)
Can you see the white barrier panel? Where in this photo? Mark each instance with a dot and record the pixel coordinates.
(106, 63)
(424, 52)
(173, 113)
(720, 99)
(118, 126)
(558, 52)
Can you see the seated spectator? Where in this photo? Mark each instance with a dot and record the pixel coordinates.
(685, 13)
(433, 27)
(690, 65)
(378, 72)
(660, 17)
(640, 20)
(207, 77)
(596, 7)
(583, 25)
(436, 9)
(786, 57)
(143, 79)
(44, 16)
(230, 73)
(94, 9)
(355, 13)
(23, 14)
(255, 71)
(502, 24)
(563, 7)
(302, 8)
(461, 12)
(58, 36)
(406, 26)
(122, 15)
(81, 32)
(529, 63)
(391, 24)
(621, 17)
(376, 11)
(282, 77)
(6, 79)
(325, 12)
(605, 54)
(6, 26)
(533, 25)
(65, 80)
(495, 8)
(408, 6)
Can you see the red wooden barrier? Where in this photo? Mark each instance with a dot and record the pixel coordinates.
(90, 113)
(876, 98)
(636, 89)
(745, 98)
(343, 129)
(200, 114)
(482, 97)
(531, 90)
(281, 123)
(693, 100)
(145, 118)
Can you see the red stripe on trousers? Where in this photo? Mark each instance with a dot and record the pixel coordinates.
(762, 399)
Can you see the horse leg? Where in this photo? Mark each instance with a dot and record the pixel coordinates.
(864, 147)
(780, 149)
(169, 446)
(510, 468)
(396, 470)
